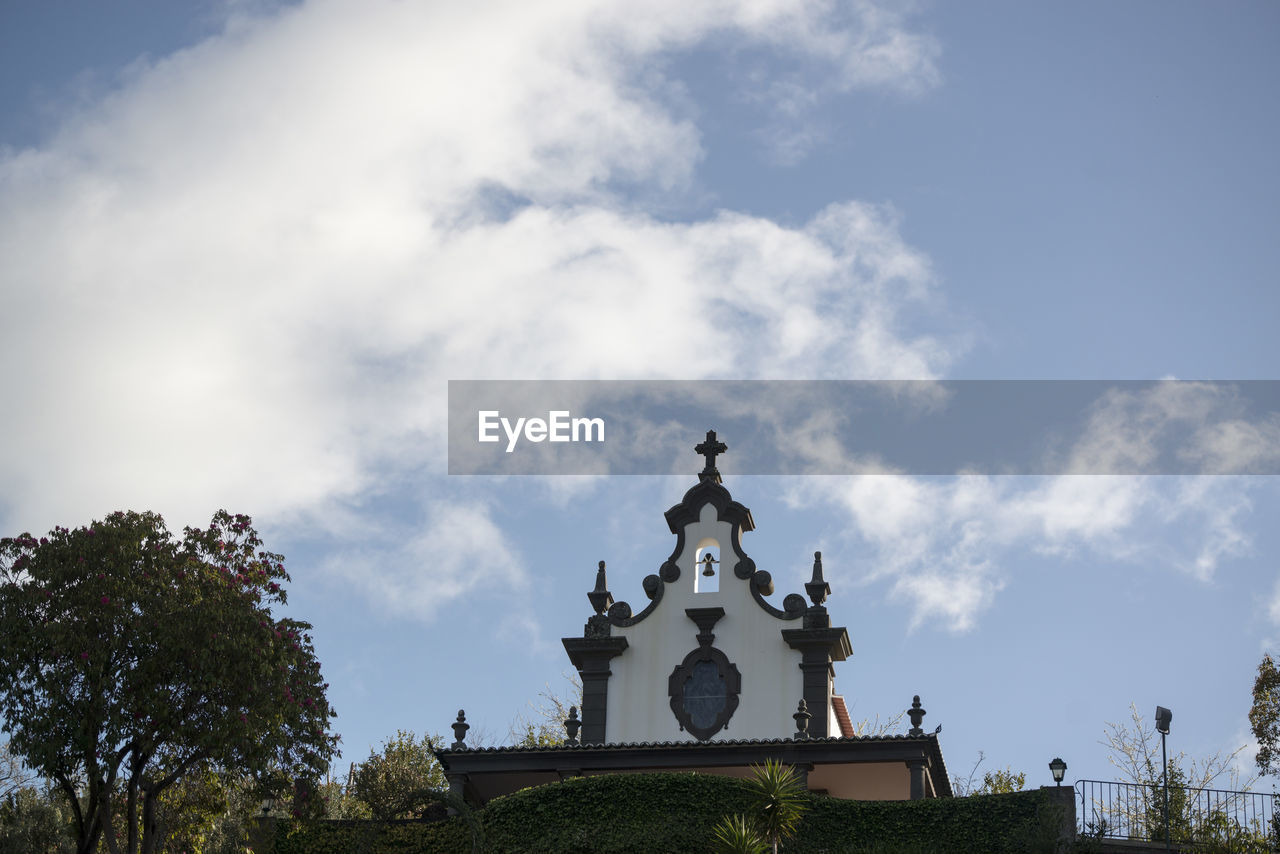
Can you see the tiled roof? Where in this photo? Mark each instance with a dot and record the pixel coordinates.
(697, 745)
(842, 715)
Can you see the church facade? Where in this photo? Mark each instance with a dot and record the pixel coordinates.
(711, 676)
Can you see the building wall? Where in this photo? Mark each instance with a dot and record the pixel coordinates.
(864, 781)
(639, 705)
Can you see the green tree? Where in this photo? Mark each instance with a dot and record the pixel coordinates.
(131, 660)
(1002, 782)
(543, 724)
(202, 808)
(340, 802)
(1136, 753)
(403, 779)
(34, 820)
(1264, 716)
(778, 802)
(229, 830)
(999, 782)
(213, 813)
(1179, 816)
(535, 736)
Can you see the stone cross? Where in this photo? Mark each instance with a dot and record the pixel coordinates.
(710, 449)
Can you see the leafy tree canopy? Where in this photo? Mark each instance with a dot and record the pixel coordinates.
(403, 779)
(130, 659)
(1002, 781)
(1264, 716)
(31, 820)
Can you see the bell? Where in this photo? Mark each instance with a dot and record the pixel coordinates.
(707, 569)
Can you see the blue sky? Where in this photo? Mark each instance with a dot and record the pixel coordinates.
(243, 248)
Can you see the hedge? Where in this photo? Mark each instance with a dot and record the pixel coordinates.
(371, 837)
(675, 812)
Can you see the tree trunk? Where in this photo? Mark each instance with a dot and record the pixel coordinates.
(104, 824)
(88, 843)
(86, 828)
(150, 828)
(131, 810)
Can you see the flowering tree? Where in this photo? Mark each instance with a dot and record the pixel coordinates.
(130, 659)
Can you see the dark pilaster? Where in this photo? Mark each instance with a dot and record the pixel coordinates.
(457, 790)
(1063, 799)
(591, 657)
(916, 768)
(818, 647)
(802, 773)
(262, 833)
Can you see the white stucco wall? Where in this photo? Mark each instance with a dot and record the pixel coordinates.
(772, 684)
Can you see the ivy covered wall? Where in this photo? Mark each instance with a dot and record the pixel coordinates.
(675, 812)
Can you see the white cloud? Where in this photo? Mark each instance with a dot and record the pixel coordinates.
(946, 546)
(878, 51)
(458, 549)
(1238, 445)
(1207, 427)
(243, 278)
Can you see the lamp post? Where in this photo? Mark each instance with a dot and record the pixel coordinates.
(1163, 718)
(1058, 769)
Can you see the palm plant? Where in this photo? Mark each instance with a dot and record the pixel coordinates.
(779, 801)
(735, 834)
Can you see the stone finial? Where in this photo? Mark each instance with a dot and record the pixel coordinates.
(460, 727)
(817, 587)
(802, 721)
(572, 725)
(601, 599)
(710, 449)
(917, 715)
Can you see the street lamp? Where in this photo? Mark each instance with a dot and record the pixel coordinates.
(1163, 718)
(1058, 769)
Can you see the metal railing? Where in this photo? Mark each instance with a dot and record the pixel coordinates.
(1212, 819)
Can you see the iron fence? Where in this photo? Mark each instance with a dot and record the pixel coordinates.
(1213, 819)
